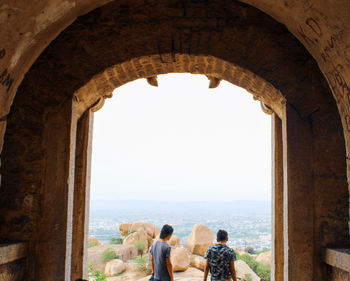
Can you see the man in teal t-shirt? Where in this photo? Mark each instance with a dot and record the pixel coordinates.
(162, 269)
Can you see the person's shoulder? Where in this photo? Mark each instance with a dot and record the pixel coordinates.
(165, 245)
(212, 248)
(228, 249)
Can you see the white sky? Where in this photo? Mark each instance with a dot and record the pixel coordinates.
(181, 141)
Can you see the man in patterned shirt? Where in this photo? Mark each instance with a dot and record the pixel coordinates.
(220, 260)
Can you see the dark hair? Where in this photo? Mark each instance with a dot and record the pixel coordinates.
(81, 279)
(221, 235)
(166, 231)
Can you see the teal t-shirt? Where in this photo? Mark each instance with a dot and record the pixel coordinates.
(160, 252)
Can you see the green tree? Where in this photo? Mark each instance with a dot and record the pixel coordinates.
(140, 246)
(263, 271)
(249, 250)
(109, 254)
(99, 276)
(90, 267)
(115, 240)
(141, 264)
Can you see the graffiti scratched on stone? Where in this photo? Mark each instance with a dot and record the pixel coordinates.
(5, 78)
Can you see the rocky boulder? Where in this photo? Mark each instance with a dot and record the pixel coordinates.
(265, 258)
(174, 241)
(114, 267)
(180, 259)
(125, 253)
(243, 270)
(150, 229)
(124, 228)
(198, 261)
(191, 274)
(200, 239)
(139, 235)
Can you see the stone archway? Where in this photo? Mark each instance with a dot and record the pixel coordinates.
(118, 43)
(103, 84)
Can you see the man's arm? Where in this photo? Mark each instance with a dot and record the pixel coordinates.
(233, 270)
(206, 271)
(152, 264)
(169, 267)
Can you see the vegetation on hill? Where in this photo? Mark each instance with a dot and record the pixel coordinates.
(141, 264)
(116, 241)
(263, 271)
(96, 274)
(139, 246)
(92, 243)
(109, 254)
(250, 250)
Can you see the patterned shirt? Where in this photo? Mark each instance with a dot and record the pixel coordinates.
(219, 257)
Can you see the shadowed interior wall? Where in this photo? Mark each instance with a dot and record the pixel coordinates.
(103, 49)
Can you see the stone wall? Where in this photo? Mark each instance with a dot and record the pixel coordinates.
(126, 40)
(14, 271)
(339, 275)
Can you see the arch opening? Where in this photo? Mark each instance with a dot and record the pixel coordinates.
(180, 122)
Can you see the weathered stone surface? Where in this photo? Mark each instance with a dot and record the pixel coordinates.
(277, 259)
(242, 270)
(339, 275)
(200, 239)
(197, 261)
(174, 240)
(275, 65)
(13, 271)
(114, 267)
(191, 274)
(151, 230)
(139, 236)
(339, 258)
(124, 228)
(264, 258)
(125, 253)
(12, 252)
(180, 258)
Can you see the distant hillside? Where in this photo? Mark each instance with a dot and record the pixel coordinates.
(237, 207)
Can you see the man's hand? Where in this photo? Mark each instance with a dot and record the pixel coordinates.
(169, 267)
(233, 270)
(206, 271)
(152, 264)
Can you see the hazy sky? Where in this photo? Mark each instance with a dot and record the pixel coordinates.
(181, 142)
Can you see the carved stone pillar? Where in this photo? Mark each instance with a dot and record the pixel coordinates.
(298, 197)
(82, 196)
(277, 200)
(54, 240)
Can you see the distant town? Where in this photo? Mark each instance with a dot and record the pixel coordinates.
(248, 223)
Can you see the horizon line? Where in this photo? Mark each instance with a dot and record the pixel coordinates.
(177, 201)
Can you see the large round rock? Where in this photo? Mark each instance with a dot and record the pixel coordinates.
(200, 239)
(180, 259)
(114, 267)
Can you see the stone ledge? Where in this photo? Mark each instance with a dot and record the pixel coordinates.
(12, 252)
(339, 258)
